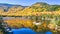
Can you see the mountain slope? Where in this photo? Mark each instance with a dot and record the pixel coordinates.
(5, 6)
(39, 6)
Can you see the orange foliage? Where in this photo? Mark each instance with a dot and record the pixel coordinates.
(19, 23)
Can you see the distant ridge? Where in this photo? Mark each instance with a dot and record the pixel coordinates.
(10, 5)
(38, 5)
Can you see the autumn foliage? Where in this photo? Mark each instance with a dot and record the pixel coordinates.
(42, 10)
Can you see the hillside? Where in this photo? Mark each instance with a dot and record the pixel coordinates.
(6, 6)
(18, 10)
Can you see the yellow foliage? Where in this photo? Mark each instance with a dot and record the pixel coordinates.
(44, 25)
(19, 23)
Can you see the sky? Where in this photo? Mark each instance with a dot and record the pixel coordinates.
(29, 2)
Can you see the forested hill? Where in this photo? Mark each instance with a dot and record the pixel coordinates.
(45, 6)
(6, 6)
(19, 10)
(38, 5)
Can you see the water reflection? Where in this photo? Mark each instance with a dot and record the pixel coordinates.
(39, 24)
